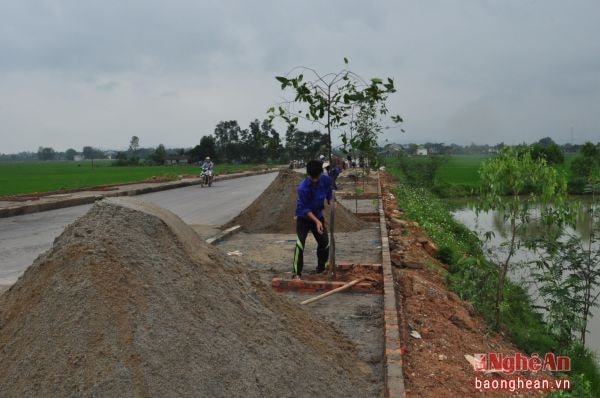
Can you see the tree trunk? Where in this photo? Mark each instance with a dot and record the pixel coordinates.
(500, 294)
(332, 222)
(332, 238)
(586, 311)
(503, 272)
(589, 302)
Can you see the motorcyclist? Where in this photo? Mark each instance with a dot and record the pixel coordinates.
(207, 165)
(207, 172)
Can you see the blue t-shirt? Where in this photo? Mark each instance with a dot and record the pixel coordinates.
(312, 197)
(335, 172)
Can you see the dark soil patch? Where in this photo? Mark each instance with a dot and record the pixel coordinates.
(273, 211)
(130, 302)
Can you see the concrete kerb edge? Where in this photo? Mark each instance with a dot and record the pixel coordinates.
(70, 202)
(394, 377)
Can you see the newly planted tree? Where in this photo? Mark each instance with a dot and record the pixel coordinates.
(521, 189)
(364, 130)
(329, 100)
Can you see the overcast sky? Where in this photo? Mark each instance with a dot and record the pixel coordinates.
(76, 73)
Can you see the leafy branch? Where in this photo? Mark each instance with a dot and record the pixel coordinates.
(331, 100)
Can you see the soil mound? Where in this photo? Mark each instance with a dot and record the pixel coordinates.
(129, 301)
(273, 211)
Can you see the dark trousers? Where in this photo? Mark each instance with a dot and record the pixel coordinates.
(302, 228)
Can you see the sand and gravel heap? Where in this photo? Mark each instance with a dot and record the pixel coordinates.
(130, 302)
(273, 211)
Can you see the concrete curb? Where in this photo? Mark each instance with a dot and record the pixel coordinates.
(394, 377)
(367, 195)
(83, 200)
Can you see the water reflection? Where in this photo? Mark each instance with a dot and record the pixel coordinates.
(495, 221)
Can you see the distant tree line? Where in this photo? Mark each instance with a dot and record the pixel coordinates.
(259, 143)
(545, 145)
(585, 168)
(581, 170)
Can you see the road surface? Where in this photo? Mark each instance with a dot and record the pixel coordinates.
(23, 238)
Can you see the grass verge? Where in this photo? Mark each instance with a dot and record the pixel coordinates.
(474, 278)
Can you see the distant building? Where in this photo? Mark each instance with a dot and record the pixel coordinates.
(422, 152)
(78, 158)
(391, 151)
(177, 159)
(110, 154)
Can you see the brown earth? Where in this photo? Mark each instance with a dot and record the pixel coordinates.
(129, 301)
(450, 328)
(273, 211)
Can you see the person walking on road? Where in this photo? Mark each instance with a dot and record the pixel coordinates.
(312, 193)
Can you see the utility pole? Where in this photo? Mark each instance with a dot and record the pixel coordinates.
(571, 135)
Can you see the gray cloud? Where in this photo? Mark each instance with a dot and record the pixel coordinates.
(76, 73)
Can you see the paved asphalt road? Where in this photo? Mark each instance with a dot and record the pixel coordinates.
(23, 238)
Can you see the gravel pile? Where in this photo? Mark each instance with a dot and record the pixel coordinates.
(273, 211)
(129, 301)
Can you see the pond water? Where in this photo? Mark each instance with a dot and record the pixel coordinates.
(494, 221)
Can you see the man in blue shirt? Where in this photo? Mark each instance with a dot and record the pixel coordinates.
(312, 193)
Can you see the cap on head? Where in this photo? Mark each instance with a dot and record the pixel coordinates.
(321, 157)
(314, 168)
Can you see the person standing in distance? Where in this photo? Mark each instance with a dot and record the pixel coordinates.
(312, 193)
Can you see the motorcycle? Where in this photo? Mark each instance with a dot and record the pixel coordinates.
(206, 178)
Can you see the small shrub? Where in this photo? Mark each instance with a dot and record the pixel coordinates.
(446, 255)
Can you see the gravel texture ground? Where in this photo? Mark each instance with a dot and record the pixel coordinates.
(359, 317)
(129, 301)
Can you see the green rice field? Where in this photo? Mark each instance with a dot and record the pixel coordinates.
(461, 169)
(17, 178)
